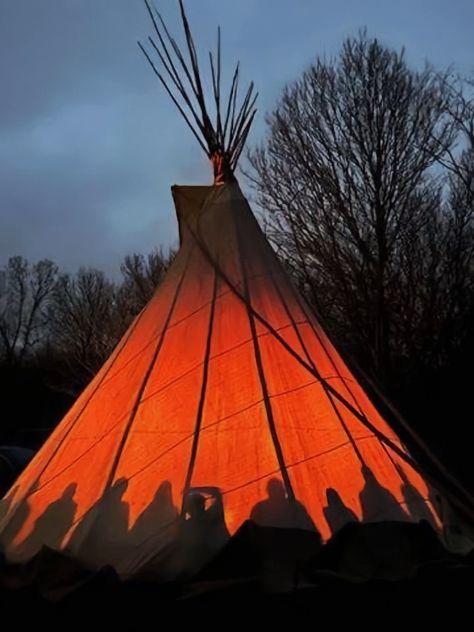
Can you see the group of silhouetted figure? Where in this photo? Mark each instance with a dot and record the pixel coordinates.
(165, 537)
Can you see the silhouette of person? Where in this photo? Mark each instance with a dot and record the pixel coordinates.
(337, 514)
(160, 514)
(101, 536)
(278, 511)
(416, 505)
(18, 515)
(53, 524)
(153, 537)
(112, 521)
(203, 531)
(377, 502)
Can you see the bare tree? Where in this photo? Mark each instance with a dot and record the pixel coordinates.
(23, 303)
(142, 275)
(82, 320)
(88, 315)
(350, 182)
(460, 216)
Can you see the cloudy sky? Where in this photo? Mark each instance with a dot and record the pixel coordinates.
(90, 144)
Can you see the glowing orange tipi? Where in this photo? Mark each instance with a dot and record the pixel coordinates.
(225, 398)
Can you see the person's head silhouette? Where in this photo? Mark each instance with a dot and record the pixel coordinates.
(332, 496)
(276, 490)
(68, 493)
(367, 473)
(196, 505)
(119, 487)
(164, 492)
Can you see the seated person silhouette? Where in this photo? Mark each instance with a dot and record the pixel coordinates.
(278, 511)
(377, 502)
(52, 525)
(337, 514)
(157, 519)
(102, 533)
(416, 505)
(289, 537)
(203, 531)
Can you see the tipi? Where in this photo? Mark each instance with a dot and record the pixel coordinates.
(224, 401)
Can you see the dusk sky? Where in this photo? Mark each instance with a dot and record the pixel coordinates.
(90, 143)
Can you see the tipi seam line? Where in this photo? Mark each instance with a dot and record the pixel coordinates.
(144, 382)
(202, 397)
(321, 380)
(263, 383)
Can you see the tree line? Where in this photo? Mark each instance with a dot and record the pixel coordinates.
(67, 323)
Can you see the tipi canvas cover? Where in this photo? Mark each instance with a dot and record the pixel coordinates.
(225, 383)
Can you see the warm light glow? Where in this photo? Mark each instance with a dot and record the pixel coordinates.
(215, 384)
